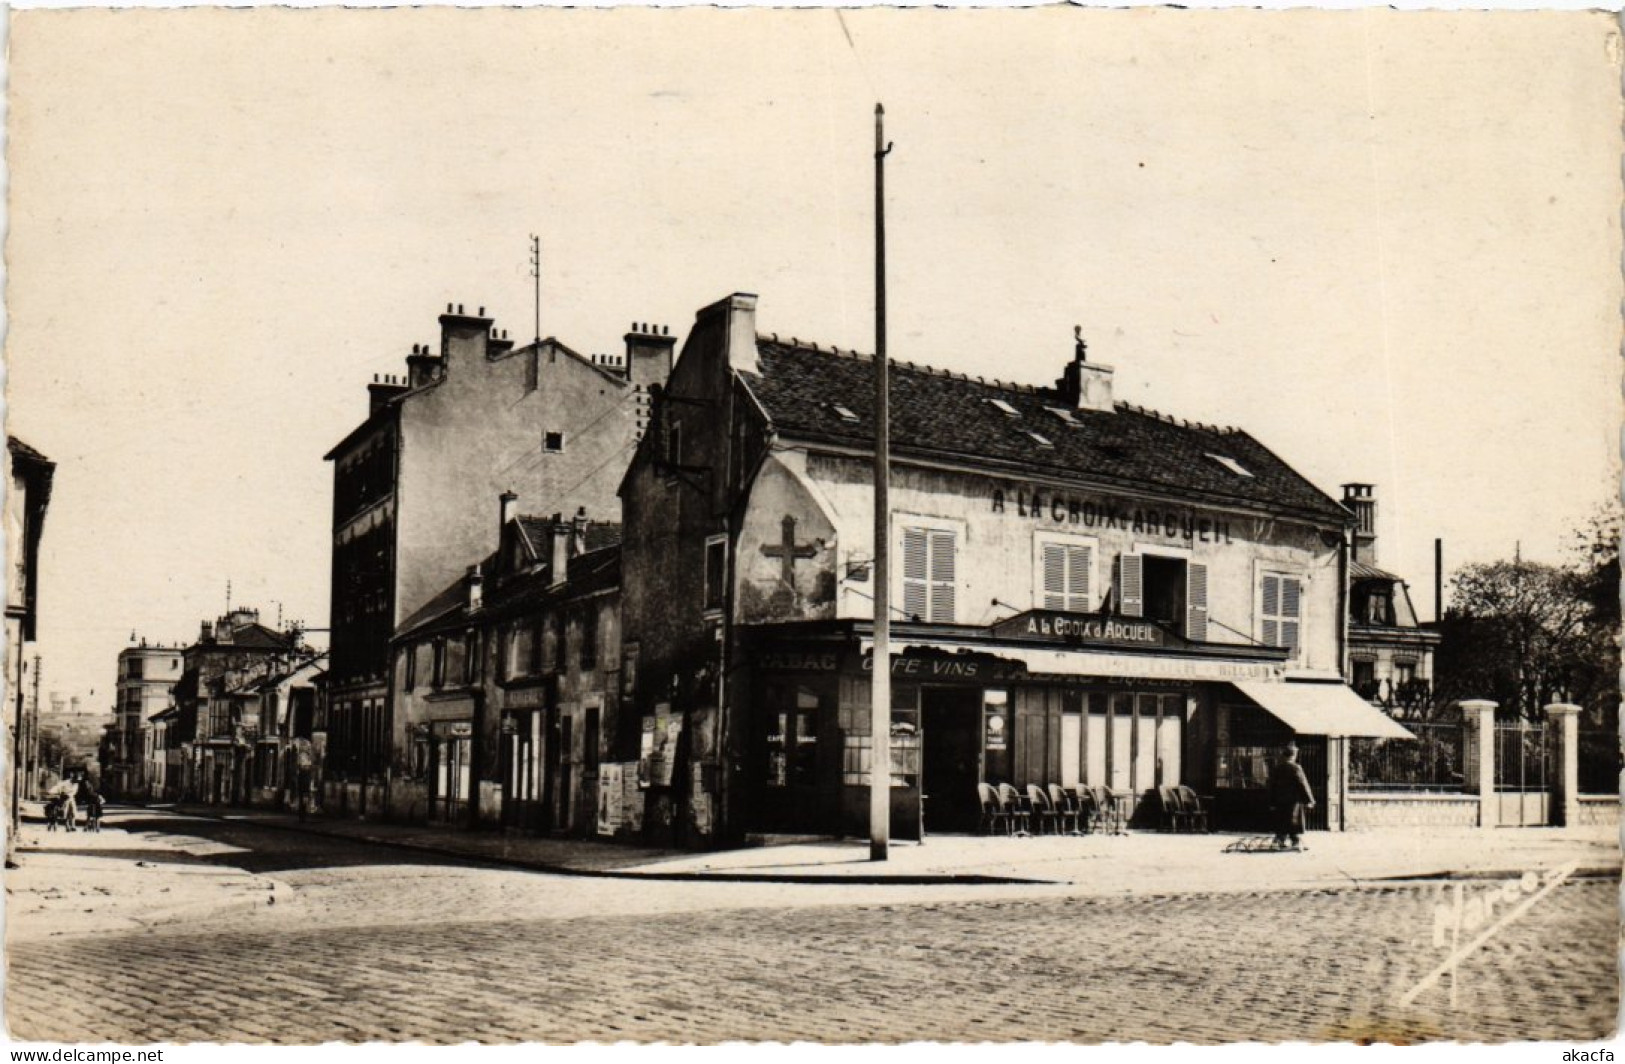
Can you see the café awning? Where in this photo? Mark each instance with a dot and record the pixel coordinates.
(1331, 709)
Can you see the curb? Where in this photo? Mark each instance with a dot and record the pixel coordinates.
(546, 868)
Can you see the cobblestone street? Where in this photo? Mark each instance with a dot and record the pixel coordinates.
(354, 942)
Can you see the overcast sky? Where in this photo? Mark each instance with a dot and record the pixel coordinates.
(1385, 244)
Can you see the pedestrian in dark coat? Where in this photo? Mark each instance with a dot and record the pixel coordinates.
(1289, 797)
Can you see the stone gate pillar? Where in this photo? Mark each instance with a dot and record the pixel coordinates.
(1478, 726)
(1565, 784)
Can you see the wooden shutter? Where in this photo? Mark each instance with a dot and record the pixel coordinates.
(1291, 607)
(942, 577)
(1054, 576)
(1196, 601)
(1131, 581)
(1270, 610)
(914, 572)
(1079, 561)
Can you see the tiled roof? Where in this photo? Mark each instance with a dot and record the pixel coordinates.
(600, 534)
(259, 637)
(1362, 571)
(595, 570)
(809, 393)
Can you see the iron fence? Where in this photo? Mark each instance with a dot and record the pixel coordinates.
(1523, 758)
(1436, 760)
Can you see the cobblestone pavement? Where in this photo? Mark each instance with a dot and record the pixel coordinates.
(363, 944)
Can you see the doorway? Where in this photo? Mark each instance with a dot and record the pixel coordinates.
(950, 726)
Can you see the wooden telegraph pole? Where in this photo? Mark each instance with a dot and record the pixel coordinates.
(880, 674)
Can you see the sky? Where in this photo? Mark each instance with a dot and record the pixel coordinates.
(1386, 244)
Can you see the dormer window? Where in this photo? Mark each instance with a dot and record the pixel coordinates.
(844, 413)
(1231, 464)
(1004, 408)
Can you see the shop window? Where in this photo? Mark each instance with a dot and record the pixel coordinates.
(928, 574)
(1281, 611)
(716, 567)
(1065, 574)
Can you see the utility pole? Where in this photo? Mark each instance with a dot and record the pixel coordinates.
(31, 753)
(880, 674)
(536, 278)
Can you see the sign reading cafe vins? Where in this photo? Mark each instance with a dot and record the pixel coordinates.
(1062, 509)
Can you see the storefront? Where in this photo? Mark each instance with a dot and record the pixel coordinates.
(1047, 697)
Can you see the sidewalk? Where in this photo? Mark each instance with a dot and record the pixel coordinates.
(1138, 863)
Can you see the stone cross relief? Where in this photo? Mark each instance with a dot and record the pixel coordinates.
(787, 551)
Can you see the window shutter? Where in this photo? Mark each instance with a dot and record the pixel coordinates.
(1132, 585)
(942, 577)
(1291, 603)
(1196, 601)
(914, 572)
(1079, 560)
(1269, 611)
(1054, 576)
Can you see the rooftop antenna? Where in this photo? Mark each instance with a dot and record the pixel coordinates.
(228, 594)
(536, 277)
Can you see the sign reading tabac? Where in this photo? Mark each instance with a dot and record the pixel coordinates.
(1054, 626)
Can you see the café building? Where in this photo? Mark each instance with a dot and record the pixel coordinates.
(1085, 592)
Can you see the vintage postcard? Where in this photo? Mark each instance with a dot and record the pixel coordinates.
(834, 526)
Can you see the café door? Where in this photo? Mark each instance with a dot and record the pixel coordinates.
(950, 725)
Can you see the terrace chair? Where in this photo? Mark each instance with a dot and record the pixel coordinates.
(1173, 813)
(993, 816)
(1107, 816)
(1010, 804)
(1194, 808)
(1066, 809)
(1043, 809)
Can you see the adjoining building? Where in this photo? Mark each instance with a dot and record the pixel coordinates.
(507, 683)
(1087, 592)
(145, 676)
(216, 723)
(1390, 653)
(412, 487)
(29, 475)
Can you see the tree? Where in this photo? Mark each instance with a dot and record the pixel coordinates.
(1527, 634)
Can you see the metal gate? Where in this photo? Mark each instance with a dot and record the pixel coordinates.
(1523, 766)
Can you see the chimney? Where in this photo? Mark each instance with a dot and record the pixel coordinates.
(1085, 385)
(382, 389)
(578, 533)
(559, 551)
(474, 582)
(207, 634)
(736, 318)
(421, 366)
(1359, 500)
(497, 343)
(648, 354)
(462, 336)
(509, 508)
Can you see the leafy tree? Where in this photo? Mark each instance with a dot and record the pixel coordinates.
(1527, 634)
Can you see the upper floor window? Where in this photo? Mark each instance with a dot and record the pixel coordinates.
(928, 574)
(134, 668)
(1065, 574)
(471, 657)
(439, 671)
(1280, 611)
(553, 441)
(589, 637)
(410, 666)
(1167, 589)
(716, 569)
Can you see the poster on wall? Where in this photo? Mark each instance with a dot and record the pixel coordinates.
(609, 798)
(658, 751)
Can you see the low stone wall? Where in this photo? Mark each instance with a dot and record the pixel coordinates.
(1598, 809)
(1372, 809)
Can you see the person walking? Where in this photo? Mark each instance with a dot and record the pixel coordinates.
(70, 809)
(84, 793)
(1290, 795)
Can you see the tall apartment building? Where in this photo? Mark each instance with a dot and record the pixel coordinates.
(145, 676)
(412, 489)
